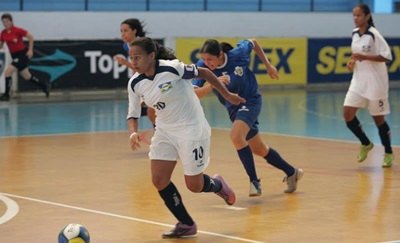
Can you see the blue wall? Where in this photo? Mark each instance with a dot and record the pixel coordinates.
(191, 5)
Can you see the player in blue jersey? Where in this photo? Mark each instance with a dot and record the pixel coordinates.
(130, 30)
(182, 130)
(231, 66)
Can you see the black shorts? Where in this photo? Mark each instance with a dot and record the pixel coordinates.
(20, 60)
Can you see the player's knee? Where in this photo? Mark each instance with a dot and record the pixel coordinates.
(159, 182)
(238, 140)
(349, 113)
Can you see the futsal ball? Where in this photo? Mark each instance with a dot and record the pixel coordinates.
(74, 233)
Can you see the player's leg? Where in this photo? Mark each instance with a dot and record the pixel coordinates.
(43, 85)
(194, 155)
(7, 74)
(244, 127)
(378, 109)
(161, 176)
(238, 134)
(352, 103)
(161, 171)
(293, 175)
(163, 156)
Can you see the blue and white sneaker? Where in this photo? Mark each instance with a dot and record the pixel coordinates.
(255, 188)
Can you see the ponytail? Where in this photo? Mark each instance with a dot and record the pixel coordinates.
(213, 47)
(225, 46)
(149, 46)
(164, 53)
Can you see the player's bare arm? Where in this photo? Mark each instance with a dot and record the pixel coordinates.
(134, 135)
(219, 86)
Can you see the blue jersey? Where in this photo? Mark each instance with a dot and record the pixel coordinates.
(126, 47)
(242, 79)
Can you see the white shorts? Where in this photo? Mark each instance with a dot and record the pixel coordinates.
(378, 107)
(194, 155)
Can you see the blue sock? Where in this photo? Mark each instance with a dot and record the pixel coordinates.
(276, 160)
(247, 159)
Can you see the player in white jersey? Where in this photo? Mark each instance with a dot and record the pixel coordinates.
(182, 130)
(369, 87)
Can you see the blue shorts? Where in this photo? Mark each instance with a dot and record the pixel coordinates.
(248, 113)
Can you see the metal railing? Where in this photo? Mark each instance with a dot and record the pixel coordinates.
(183, 5)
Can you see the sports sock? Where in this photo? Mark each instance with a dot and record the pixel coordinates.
(277, 161)
(211, 184)
(384, 134)
(8, 85)
(173, 201)
(355, 126)
(247, 159)
(34, 80)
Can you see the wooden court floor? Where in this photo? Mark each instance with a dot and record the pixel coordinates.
(94, 179)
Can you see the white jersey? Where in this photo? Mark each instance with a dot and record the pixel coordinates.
(170, 93)
(370, 79)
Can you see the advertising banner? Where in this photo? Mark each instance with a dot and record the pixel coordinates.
(328, 59)
(288, 55)
(87, 64)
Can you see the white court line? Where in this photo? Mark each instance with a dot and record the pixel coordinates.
(305, 137)
(12, 209)
(229, 207)
(63, 134)
(216, 128)
(302, 106)
(124, 217)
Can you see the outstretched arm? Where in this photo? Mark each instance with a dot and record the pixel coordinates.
(271, 70)
(374, 58)
(206, 74)
(121, 60)
(203, 91)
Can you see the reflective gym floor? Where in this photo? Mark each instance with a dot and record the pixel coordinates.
(70, 162)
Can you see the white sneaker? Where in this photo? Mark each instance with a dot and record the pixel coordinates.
(292, 180)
